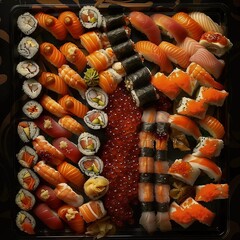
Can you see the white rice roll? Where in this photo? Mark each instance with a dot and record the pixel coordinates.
(27, 130)
(88, 144)
(25, 222)
(28, 179)
(28, 47)
(27, 23)
(27, 68)
(27, 156)
(32, 109)
(32, 88)
(96, 97)
(25, 199)
(96, 119)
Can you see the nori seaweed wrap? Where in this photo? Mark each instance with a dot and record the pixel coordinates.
(132, 63)
(111, 22)
(148, 127)
(163, 207)
(118, 35)
(147, 152)
(161, 155)
(146, 178)
(123, 50)
(147, 207)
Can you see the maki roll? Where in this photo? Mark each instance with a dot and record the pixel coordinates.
(145, 95)
(96, 97)
(25, 222)
(28, 47)
(91, 165)
(118, 35)
(90, 17)
(32, 88)
(27, 156)
(28, 179)
(133, 63)
(27, 68)
(123, 50)
(96, 119)
(27, 23)
(88, 144)
(27, 130)
(25, 199)
(111, 22)
(32, 109)
(138, 79)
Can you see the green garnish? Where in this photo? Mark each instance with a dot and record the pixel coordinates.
(91, 77)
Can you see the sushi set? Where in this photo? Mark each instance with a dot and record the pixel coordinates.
(120, 125)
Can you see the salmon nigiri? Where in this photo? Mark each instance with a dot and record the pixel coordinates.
(185, 124)
(151, 52)
(91, 41)
(72, 23)
(146, 25)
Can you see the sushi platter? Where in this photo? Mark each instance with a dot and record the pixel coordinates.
(120, 127)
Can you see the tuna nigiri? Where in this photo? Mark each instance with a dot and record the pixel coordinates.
(146, 25)
(151, 52)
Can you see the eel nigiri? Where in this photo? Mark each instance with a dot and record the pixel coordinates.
(146, 25)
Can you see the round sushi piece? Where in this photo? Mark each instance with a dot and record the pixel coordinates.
(27, 23)
(27, 156)
(96, 97)
(28, 47)
(26, 222)
(32, 109)
(25, 199)
(27, 130)
(96, 119)
(28, 179)
(91, 165)
(32, 88)
(90, 17)
(111, 22)
(88, 144)
(28, 68)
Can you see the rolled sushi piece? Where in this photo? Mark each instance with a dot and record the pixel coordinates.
(25, 200)
(28, 179)
(145, 95)
(111, 22)
(90, 17)
(96, 98)
(26, 222)
(32, 109)
(32, 88)
(28, 47)
(27, 23)
(27, 156)
(88, 144)
(138, 79)
(28, 68)
(132, 63)
(96, 119)
(91, 165)
(27, 130)
(123, 50)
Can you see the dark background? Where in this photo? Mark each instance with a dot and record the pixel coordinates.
(232, 85)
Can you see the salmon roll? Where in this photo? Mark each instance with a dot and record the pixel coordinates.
(52, 54)
(52, 25)
(27, 156)
(88, 144)
(25, 200)
(74, 106)
(72, 174)
(28, 179)
(27, 131)
(194, 30)
(96, 119)
(72, 23)
(53, 82)
(71, 124)
(92, 210)
(26, 222)
(74, 55)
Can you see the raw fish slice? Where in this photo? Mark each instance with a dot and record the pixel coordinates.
(208, 147)
(151, 52)
(146, 192)
(192, 108)
(216, 43)
(165, 85)
(211, 191)
(198, 211)
(206, 22)
(91, 41)
(212, 96)
(175, 54)
(193, 29)
(72, 174)
(202, 76)
(53, 82)
(25, 222)
(163, 221)
(145, 25)
(148, 221)
(72, 23)
(180, 216)
(52, 25)
(68, 195)
(183, 80)
(185, 124)
(184, 171)
(74, 55)
(206, 165)
(170, 27)
(48, 173)
(208, 61)
(190, 45)
(213, 126)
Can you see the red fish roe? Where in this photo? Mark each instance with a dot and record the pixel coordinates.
(120, 155)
